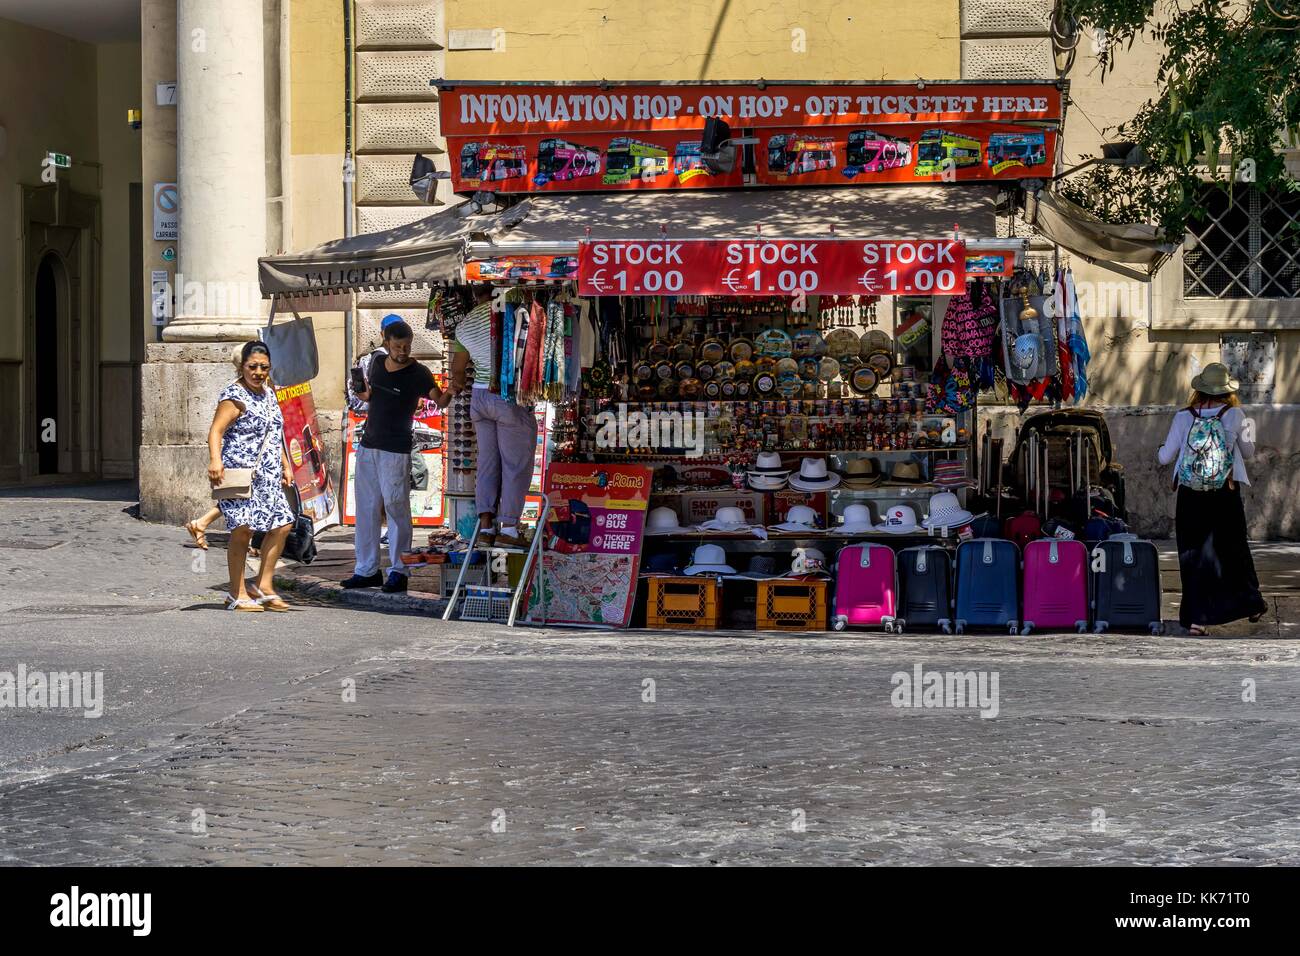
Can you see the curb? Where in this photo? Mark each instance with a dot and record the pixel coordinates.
(361, 597)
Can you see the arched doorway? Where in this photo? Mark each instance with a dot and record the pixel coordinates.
(45, 422)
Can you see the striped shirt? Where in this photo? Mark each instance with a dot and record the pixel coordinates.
(474, 335)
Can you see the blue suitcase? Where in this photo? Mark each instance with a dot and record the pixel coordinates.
(925, 588)
(988, 594)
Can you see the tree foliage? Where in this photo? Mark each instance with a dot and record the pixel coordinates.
(1229, 103)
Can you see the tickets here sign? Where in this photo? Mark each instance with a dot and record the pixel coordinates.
(771, 267)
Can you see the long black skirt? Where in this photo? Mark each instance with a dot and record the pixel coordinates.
(1218, 573)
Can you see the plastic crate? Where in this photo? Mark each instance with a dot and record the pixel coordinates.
(683, 603)
(486, 604)
(791, 605)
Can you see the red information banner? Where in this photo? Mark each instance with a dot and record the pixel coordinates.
(771, 266)
(593, 544)
(472, 109)
(307, 454)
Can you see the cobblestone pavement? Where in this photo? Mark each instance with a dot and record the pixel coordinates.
(468, 743)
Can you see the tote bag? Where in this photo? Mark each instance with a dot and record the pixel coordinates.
(294, 358)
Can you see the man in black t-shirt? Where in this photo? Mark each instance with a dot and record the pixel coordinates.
(397, 383)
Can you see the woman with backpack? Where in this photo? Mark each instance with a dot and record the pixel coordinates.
(1208, 443)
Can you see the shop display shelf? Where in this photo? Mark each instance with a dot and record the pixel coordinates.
(683, 603)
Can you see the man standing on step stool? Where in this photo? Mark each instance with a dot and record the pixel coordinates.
(394, 388)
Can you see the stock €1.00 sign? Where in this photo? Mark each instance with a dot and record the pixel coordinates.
(772, 266)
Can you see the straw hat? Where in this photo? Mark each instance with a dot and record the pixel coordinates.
(906, 473)
(1215, 379)
(862, 473)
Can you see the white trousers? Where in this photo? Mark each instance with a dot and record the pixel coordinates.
(383, 479)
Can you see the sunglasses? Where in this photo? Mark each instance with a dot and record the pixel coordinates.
(259, 367)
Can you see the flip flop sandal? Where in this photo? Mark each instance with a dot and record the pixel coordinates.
(247, 604)
(273, 602)
(200, 538)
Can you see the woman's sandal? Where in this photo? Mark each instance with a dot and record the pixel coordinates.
(244, 604)
(197, 533)
(271, 602)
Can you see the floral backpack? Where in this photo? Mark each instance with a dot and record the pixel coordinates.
(1207, 457)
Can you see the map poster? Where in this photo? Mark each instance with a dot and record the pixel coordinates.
(592, 549)
(307, 454)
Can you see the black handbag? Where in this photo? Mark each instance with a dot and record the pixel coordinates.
(300, 545)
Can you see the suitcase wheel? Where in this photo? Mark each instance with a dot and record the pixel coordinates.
(961, 627)
(889, 627)
(1081, 626)
(1157, 627)
(898, 627)
(945, 626)
(1099, 627)
(1025, 629)
(841, 622)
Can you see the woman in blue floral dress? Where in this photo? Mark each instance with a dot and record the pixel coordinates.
(248, 419)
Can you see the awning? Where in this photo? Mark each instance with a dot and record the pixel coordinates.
(556, 223)
(406, 257)
(1106, 244)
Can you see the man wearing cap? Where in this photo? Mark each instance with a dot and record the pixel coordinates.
(355, 402)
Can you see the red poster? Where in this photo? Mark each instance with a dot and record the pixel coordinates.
(592, 548)
(474, 109)
(521, 267)
(307, 454)
(427, 463)
(768, 266)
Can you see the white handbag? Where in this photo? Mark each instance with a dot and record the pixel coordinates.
(238, 482)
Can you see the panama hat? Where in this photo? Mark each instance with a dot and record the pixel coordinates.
(665, 521)
(799, 518)
(768, 463)
(857, 519)
(813, 476)
(906, 473)
(946, 512)
(900, 519)
(1215, 379)
(709, 559)
(862, 473)
(766, 482)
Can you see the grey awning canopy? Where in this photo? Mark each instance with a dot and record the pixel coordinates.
(559, 222)
(406, 257)
(1074, 228)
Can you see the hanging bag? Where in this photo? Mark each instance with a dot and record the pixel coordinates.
(293, 348)
(238, 482)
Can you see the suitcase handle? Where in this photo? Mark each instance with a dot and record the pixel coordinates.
(988, 551)
(921, 562)
(864, 557)
(1128, 552)
(1053, 555)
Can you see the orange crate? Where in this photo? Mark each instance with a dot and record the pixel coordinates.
(792, 605)
(683, 603)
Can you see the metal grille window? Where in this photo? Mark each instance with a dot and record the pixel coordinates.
(1248, 248)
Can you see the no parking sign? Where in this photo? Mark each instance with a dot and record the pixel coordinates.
(166, 206)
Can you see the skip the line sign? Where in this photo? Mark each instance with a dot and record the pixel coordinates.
(771, 267)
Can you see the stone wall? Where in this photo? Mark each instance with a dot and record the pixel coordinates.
(1136, 433)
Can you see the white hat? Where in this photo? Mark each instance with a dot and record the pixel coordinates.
(900, 519)
(769, 463)
(709, 559)
(765, 482)
(798, 518)
(857, 519)
(665, 521)
(730, 519)
(807, 561)
(813, 476)
(946, 512)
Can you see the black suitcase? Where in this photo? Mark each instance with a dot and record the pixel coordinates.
(925, 583)
(1126, 586)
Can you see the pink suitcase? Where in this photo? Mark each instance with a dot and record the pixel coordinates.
(1056, 586)
(866, 587)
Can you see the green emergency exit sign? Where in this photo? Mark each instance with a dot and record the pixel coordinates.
(61, 160)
